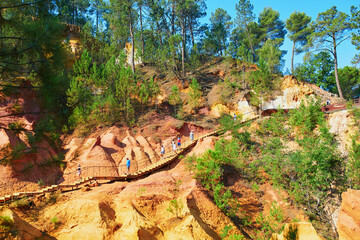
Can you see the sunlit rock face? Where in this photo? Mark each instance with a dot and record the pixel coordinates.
(348, 225)
(137, 58)
(299, 230)
(293, 92)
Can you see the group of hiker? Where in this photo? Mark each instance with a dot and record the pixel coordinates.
(175, 148)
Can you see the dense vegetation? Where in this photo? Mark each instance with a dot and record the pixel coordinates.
(312, 170)
(167, 34)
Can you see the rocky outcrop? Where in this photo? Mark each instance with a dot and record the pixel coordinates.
(298, 231)
(342, 125)
(203, 145)
(293, 92)
(138, 210)
(219, 109)
(23, 229)
(348, 225)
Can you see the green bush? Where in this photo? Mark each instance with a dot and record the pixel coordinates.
(353, 166)
(175, 206)
(307, 117)
(17, 127)
(6, 223)
(22, 203)
(276, 124)
(225, 234)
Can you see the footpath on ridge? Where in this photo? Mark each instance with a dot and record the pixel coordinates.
(93, 173)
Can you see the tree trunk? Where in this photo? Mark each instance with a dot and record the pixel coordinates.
(158, 32)
(141, 31)
(97, 17)
(73, 12)
(173, 19)
(336, 70)
(251, 45)
(292, 59)
(132, 41)
(183, 35)
(192, 34)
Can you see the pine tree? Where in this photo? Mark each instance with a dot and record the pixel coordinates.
(194, 94)
(245, 20)
(355, 24)
(298, 26)
(331, 28)
(219, 31)
(271, 27)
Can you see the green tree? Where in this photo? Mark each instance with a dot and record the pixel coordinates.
(349, 78)
(194, 94)
(355, 23)
(185, 10)
(245, 21)
(271, 27)
(73, 12)
(80, 98)
(298, 26)
(98, 8)
(220, 29)
(271, 55)
(316, 69)
(123, 14)
(174, 97)
(31, 48)
(331, 28)
(261, 83)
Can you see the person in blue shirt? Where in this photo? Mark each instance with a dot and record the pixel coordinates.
(128, 165)
(162, 151)
(234, 117)
(179, 142)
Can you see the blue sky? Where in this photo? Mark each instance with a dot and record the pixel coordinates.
(346, 50)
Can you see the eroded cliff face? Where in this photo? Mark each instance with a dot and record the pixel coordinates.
(111, 147)
(293, 92)
(348, 225)
(136, 210)
(289, 96)
(26, 159)
(344, 128)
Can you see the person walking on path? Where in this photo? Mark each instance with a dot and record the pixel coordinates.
(162, 151)
(234, 116)
(191, 135)
(328, 102)
(179, 142)
(173, 146)
(79, 171)
(128, 165)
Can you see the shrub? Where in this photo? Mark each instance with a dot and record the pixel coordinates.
(276, 124)
(16, 108)
(307, 117)
(225, 234)
(17, 127)
(175, 206)
(6, 223)
(22, 203)
(55, 221)
(353, 166)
